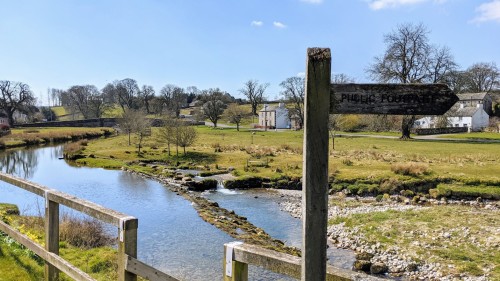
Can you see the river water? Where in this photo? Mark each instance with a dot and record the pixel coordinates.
(171, 235)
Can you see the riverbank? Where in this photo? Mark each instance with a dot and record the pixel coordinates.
(431, 240)
(39, 136)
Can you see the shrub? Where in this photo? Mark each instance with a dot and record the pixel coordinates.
(84, 233)
(410, 169)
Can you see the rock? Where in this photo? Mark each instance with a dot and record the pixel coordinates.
(378, 268)
(364, 256)
(186, 179)
(230, 169)
(362, 265)
(412, 267)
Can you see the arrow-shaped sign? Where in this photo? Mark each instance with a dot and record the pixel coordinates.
(393, 99)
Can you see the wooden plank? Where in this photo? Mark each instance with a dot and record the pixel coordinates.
(87, 207)
(393, 99)
(127, 247)
(290, 265)
(51, 237)
(92, 209)
(146, 271)
(315, 170)
(239, 270)
(24, 184)
(52, 258)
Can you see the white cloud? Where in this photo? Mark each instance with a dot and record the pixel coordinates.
(312, 1)
(384, 4)
(278, 24)
(301, 74)
(257, 23)
(489, 11)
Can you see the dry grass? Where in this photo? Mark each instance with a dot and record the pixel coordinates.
(84, 233)
(410, 169)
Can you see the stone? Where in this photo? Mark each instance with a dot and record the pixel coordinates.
(378, 268)
(362, 265)
(364, 256)
(412, 267)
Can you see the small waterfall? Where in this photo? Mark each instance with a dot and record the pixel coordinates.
(222, 189)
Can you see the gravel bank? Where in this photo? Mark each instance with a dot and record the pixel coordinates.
(396, 261)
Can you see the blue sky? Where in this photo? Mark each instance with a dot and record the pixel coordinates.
(222, 43)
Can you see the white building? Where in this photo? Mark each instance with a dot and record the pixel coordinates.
(274, 117)
(473, 117)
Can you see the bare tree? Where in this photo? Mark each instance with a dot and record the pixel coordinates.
(174, 98)
(15, 97)
(482, 77)
(134, 121)
(293, 92)
(254, 93)
(214, 105)
(146, 94)
(410, 58)
(235, 114)
(87, 100)
(186, 137)
(168, 132)
(342, 78)
(125, 92)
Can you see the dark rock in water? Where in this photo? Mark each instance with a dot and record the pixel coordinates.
(364, 256)
(378, 268)
(362, 265)
(256, 197)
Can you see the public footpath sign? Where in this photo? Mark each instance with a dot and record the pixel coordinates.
(322, 99)
(393, 99)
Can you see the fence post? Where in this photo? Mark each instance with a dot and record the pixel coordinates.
(315, 169)
(51, 235)
(127, 246)
(239, 270)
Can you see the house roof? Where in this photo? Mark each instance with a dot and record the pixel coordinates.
(269, 108)
(472, 96)
(465, 112)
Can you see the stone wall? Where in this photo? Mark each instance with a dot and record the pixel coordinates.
(96, 122)
(437, 131)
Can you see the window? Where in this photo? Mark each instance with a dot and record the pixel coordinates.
(459, 118)
(456, 125)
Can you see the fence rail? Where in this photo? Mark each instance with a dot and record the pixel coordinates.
(128, 265)
(237, 257)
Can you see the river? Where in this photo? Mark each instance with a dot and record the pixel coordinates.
(171, 235)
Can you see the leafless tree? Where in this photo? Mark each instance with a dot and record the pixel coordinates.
(254, 93)
(410, 58)
(87, 100)
(125, 92)
(186, 137)
(15, 97)
(134, 122)
(294, 92)
(235, 114)
(174, 98)
(146, 94)
(214, 105)
(168, 132)
(482, 77)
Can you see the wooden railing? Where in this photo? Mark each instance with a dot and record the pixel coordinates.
(237, 257)
(128, 265)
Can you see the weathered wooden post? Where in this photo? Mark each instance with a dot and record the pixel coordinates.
(315, 166)
(233, 270)
(127, 246)
(51, 235)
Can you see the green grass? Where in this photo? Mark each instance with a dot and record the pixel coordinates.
(474, 136)
(426, 226)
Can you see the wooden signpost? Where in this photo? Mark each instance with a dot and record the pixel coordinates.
(322, 98)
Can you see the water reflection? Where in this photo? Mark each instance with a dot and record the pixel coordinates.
(22, 163)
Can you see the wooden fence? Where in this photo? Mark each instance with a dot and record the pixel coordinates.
(237, 257)
(128, 265)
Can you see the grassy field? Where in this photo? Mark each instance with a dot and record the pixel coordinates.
(474, 136)
(355, 160)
